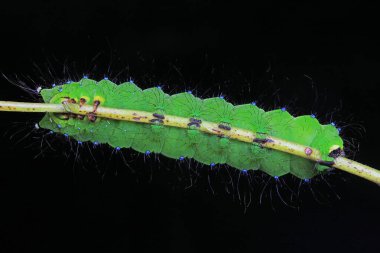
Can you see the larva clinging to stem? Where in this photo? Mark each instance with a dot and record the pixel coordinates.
(211, 131)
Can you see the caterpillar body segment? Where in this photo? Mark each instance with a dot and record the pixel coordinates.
(204, 129)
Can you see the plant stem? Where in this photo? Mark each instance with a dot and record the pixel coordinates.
(243, 135)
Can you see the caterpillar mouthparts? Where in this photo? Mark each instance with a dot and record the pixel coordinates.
(211, 131)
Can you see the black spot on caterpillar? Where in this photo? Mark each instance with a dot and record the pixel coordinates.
(159, 116)
(224, 127)
(156, 121)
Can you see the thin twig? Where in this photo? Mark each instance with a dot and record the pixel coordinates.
(238, 134)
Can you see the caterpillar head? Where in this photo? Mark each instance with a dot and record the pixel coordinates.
(329, 143)
(336, 151)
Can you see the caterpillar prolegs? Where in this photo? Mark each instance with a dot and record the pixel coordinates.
(182, 126)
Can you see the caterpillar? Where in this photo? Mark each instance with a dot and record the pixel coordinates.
(182, 126)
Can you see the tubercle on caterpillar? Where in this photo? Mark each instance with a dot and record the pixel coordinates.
(70, 107)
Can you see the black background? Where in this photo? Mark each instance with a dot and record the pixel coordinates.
(310, 57)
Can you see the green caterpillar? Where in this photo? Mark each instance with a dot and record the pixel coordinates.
(180, 143)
